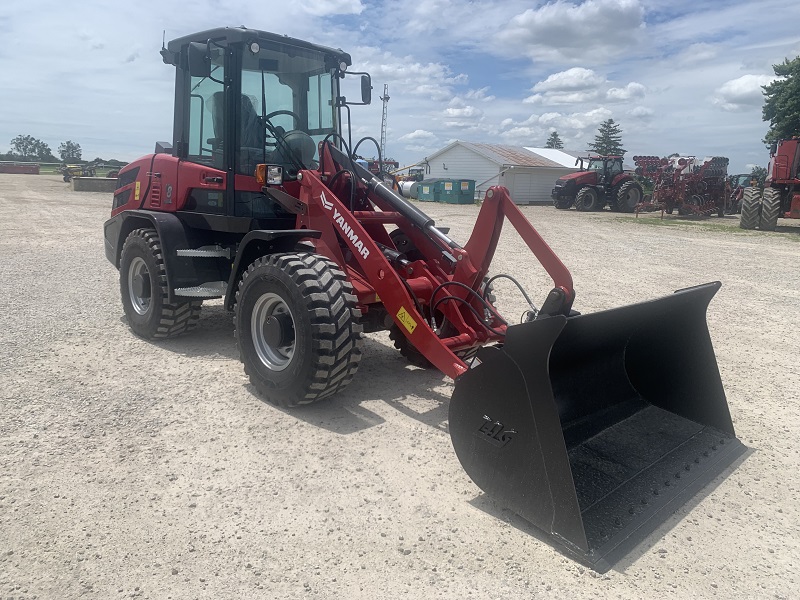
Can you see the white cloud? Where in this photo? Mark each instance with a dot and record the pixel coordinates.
(322, 8)
(632, 90)
(641, 112)
(741, 93)
(591, 31)
(579, 86)
(576, 78)
(420, 135)
(466, 111)
(480, 94)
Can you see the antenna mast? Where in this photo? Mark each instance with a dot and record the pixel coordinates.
(385, 99)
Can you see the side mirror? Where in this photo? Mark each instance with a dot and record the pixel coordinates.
(199, 60)
(366, 89)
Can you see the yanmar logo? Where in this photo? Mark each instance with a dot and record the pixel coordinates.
(344, 226)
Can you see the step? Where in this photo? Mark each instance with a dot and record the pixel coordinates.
(206, 252)
(210, 289)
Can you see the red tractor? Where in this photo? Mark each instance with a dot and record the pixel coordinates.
(600, 181)
(259, 200)
(781, 195)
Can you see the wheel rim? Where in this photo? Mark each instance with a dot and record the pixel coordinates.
(632, 197)
(272, 330)
(140, 300)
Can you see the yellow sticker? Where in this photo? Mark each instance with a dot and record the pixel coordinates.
(406, 319)
(377, 298)
(136, 191)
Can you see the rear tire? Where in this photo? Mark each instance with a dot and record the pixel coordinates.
(143, 288)
(770, 209)
(587, 199)
(629, 195)
(751, 208)
(297, 328)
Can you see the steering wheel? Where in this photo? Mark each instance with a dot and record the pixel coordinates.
(275, 113)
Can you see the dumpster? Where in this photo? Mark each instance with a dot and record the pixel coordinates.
(463, 192)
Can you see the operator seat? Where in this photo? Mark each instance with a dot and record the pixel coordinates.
(251, 134)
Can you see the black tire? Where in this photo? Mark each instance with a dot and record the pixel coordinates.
(770, 209)
(67, 178)
(408, 350)
(563, 202)
(143, 288)
(297, 328)
(416, 358)
(587, 199)
(630, 194)
(751, 208)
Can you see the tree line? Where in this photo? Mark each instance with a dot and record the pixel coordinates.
(30, 149)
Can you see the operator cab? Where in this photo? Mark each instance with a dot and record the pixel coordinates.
(245, 97)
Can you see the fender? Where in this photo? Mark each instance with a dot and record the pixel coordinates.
(172, 233)
(258, 243)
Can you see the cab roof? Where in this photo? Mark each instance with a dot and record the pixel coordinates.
(233, 35)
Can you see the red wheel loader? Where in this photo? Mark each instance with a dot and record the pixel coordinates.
(564, 418)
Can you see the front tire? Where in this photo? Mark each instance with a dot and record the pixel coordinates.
(770, 209)
(751, 208)
(297, 328)
(563, 202)
(144, 293)
(587, 199)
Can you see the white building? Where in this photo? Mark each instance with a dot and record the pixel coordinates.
(528, 173)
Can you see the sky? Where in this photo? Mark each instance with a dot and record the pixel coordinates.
(679, 76)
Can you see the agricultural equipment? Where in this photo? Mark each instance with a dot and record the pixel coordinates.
(600, 181)
(781, 195)
(70, 171)
(563, 418)
(738, 184)
(692, 186)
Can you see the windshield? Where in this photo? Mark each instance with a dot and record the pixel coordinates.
(595, 165)
(287, 106)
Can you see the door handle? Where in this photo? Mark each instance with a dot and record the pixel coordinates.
(212, 179)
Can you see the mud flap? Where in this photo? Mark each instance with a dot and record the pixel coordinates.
(596, 428)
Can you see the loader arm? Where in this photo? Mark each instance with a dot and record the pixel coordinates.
(328, 213)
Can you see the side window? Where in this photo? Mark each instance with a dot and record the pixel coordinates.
(320, 115)
(206, 120)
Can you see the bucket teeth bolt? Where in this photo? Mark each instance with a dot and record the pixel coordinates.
(687, 467)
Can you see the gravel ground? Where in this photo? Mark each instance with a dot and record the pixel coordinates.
(152, 470)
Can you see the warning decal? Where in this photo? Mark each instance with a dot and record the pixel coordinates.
(136, 191)
(408, 322)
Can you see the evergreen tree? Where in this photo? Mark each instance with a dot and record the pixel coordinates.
(554, 141)
(782, 102)
(608, 141)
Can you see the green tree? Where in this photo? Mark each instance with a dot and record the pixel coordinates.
(608, 140)
(29, 147)
(23, 145)
(760, 174)
(69, 150)
(782, 102)
(554, 141)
